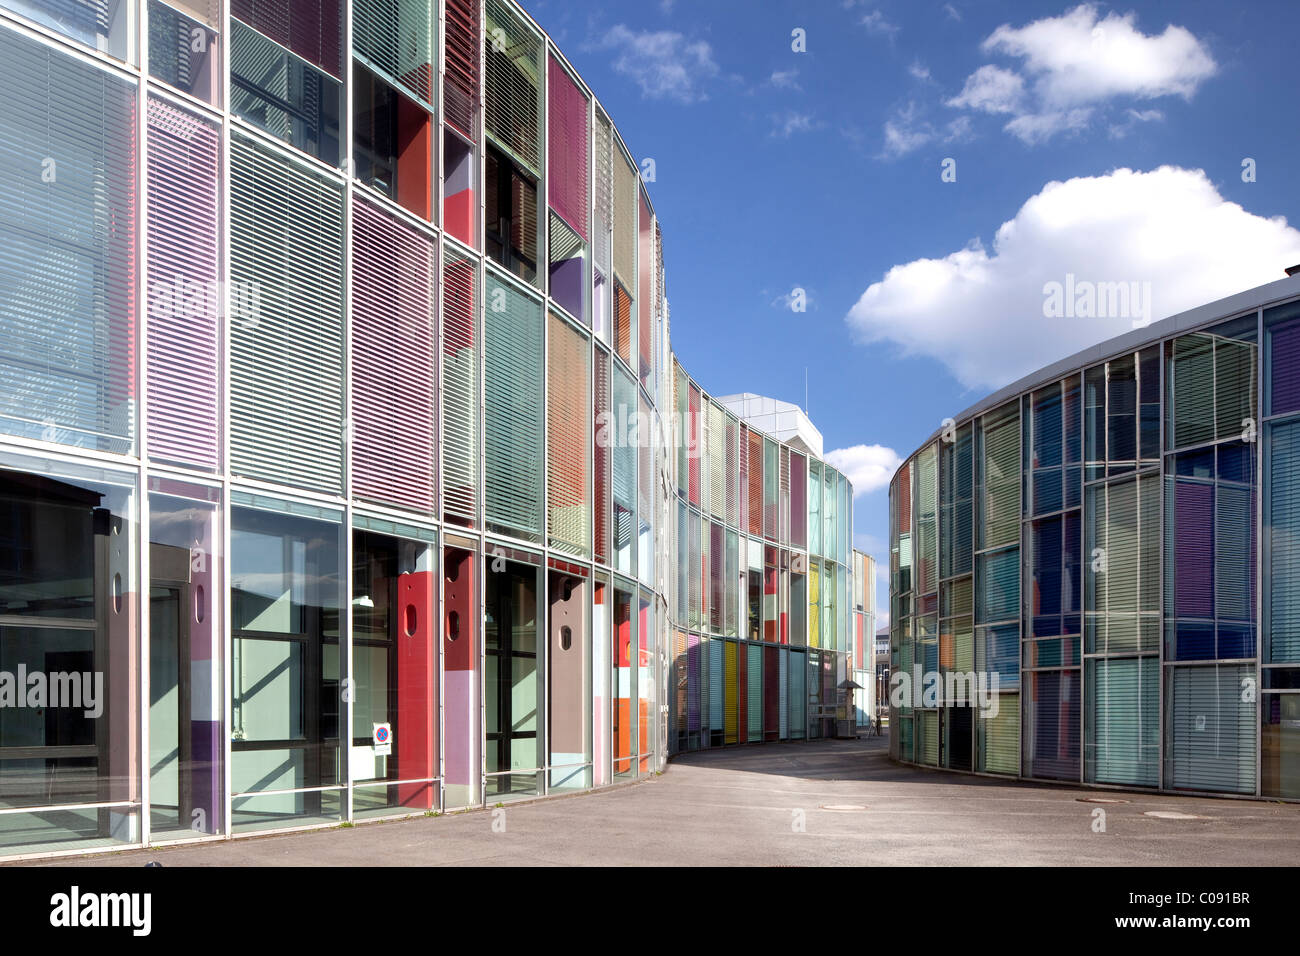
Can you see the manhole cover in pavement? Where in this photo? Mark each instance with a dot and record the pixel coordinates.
(1173, 815)
(1099, 800)
(843, 807)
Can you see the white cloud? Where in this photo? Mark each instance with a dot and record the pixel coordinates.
(953, 13)
(787, 124)
(1075, 63)
(876, 23)
(919, 71)
(991, 89)
(907, 131)
(868, 467)
(785, 79)
(1039, 127)
(663, 63)
(1131, 119)
(981, 313)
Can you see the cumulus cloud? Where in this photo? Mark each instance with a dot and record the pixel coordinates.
(663, 63)
(991, 89)
(868, 467)
(1072, 65)
(981, 312)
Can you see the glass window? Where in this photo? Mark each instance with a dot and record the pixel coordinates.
(283, 95)
(67, 224)
(68, 633)
(393, 146)
(186, 648)
(512, 679)
(286, 668)
(104, 25)
(184, 53)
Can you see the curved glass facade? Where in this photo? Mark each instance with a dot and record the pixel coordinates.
(345, 466)
(1112, 565)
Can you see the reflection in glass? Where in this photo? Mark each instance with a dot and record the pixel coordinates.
(285, 666)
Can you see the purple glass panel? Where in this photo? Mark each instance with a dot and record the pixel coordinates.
(1193, 549)
(1284, 346)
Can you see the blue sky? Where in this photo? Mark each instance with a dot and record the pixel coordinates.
(1105, 142)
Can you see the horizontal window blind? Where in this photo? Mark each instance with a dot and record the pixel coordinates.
(716, 423)
(693, 655)
(731, 469)
(313, 29)
(1235, 386)
(460, 95)
(67, 249)
(1284, 363)
(600, 479)
(205, 11)
(1283, 530)
(1122, 733)
(568, 399)
(1122, 593)
(1001, 475)
(460, 379)
(603, 191)
(567, 138)
(715, 684)
(512, 87)
(645, 464)
(1052, 725)
(1191, 374)
(1211, 729)
(397, 38)
(287, 357)
(754, 457)
(927, 520)
(624, 453)
(625, 230)
(770, 481)
(730, 688)
(771, 693)
(645, 293)
(754, 691)
(623, 324)
(783, 693)
(394, 394)
(1000, 737)
(513, 413)
(796, 676)
(783, 492)
(184, 302)
(928, 737)
(798, 500)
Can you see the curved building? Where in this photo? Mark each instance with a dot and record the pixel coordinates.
(345, 467)
(1106, 553)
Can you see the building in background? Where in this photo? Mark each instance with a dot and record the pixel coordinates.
(882, 674)
(863, 657)
(346, 470)
(1117, 539)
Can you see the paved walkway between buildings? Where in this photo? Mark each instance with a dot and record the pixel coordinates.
(774, 804)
